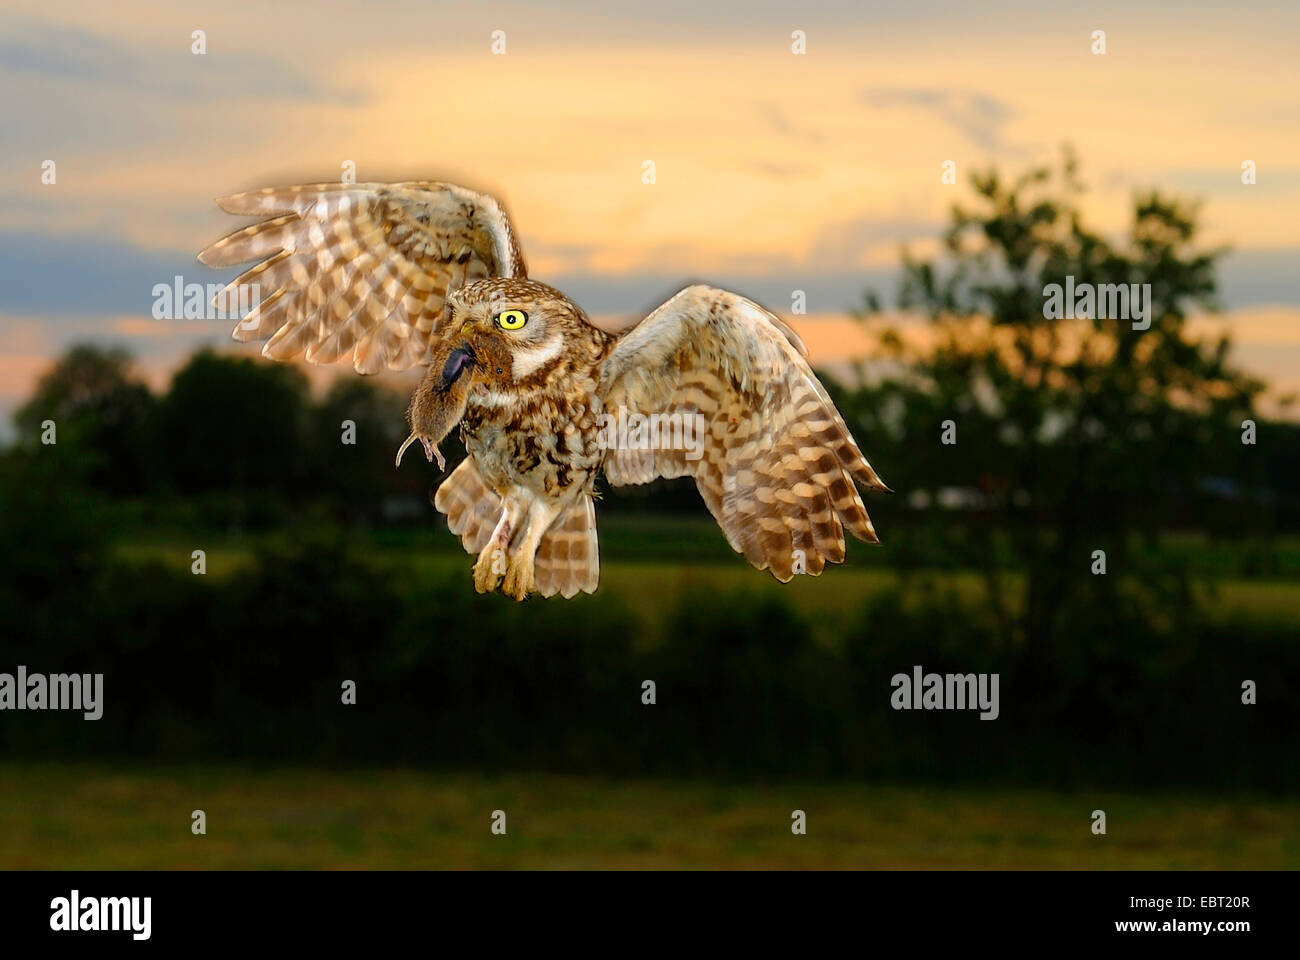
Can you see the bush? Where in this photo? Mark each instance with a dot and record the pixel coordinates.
(250, 666)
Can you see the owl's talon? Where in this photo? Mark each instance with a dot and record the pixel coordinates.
(518, 581)
(486, 571)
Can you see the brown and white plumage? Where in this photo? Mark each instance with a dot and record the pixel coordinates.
(400, 274)
(779, 464)
(361, 270)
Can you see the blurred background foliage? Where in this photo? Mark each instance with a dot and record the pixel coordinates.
(326, 564)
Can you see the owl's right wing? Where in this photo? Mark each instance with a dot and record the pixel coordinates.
(775, 464)
(360, 269)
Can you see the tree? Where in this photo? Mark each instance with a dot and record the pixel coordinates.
(99, 407)
(354, 433)
(234, 427)
(1080, 434)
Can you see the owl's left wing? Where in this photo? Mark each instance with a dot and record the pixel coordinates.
(776, 465)
(360, 270)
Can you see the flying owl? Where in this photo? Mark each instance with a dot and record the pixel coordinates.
(394, 275)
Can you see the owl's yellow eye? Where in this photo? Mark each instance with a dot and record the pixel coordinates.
(511, 319)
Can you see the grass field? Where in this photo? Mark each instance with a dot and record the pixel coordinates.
(95, 817)
(650, 563)
(101, 817)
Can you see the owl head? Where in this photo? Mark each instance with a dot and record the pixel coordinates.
(511, 333)
(501, 335)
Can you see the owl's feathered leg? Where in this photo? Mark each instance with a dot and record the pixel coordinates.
(493, 559)
(507, 560)
(518, 580)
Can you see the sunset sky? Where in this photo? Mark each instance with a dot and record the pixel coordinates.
(774, 172)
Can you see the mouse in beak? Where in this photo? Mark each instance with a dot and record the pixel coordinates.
(439, 402)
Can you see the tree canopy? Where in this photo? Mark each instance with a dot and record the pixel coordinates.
(1072, 433)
